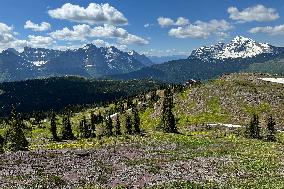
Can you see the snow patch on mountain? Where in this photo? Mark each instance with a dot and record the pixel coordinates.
(38, 63)
(239, 47)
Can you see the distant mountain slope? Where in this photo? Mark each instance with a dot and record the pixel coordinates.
(162, 59)
(141, 58)
(39, 56)
(88, 61)
(239, 47)
(275, 66)
(210, 62)
(13, 67)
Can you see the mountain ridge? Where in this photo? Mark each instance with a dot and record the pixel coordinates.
(238, 47)
(209, 62)
(88, 61)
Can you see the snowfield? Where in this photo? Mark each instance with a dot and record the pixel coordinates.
(224, 125)
(275, 80)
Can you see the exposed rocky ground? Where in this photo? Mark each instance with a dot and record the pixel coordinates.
(122, 165)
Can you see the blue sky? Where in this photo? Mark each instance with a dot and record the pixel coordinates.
(148, 26)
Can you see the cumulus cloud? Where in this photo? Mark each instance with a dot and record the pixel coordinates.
(182, 21)
(39, 41)
(257, 13)
(102, 43)
(93, 14)
(37, 27)
(8, 39)
(270, 30)
(201, 29)
(164, 22)
(6, 33)
(83, 31)
(79, 33)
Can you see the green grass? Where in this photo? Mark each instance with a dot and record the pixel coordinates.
(253, 163)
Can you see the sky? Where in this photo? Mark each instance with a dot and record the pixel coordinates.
(152, 27)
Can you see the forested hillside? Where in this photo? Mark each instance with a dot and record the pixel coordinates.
(59, 92)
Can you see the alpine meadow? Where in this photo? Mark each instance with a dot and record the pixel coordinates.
(164, 94)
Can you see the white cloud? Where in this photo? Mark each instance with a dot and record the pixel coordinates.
(66, 47)
(93, 14)
(148, 25)
(6, 33)
(257, 13)
(181, 21)
(79, 33)
(102, 43)
(133, 39)
(82, 32)
(39, 41)
(201, 29)
(270, 30)
(37, 27)
(222, 35)
(165, 21)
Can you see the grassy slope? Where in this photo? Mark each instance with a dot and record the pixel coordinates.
(218, 158)
(231, 99)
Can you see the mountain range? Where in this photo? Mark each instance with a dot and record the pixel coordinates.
(239, 55)
(88, 61)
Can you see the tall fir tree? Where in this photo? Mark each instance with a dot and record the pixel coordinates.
(168, 123)
(67, 133)
(128, 125)
(94, 121)
(271, 136)
(136, 119)
(1, 144)
(85, 131)
(109, 126)
(129, 103)
(117, 126)
(253, 129)
(53, 127)
(15, 139)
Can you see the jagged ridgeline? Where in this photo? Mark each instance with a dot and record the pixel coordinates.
(87, 61)
(58, 92)
(239, 55)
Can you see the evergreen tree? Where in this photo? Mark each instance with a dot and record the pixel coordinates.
(109, 126)
(100, 118)
(271, 129)
(85, 131)
(128, 124)
(15, 139)
(129, 103)
(1, 144)
(253, 128)
(117, 126)
(94, 121)
(67, 133)
(53, 128)
(168, 123)
(136, 119)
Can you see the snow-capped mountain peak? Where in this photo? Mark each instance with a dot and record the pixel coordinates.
(239, 47)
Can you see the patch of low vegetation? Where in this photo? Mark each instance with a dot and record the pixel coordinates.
(119, 145)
